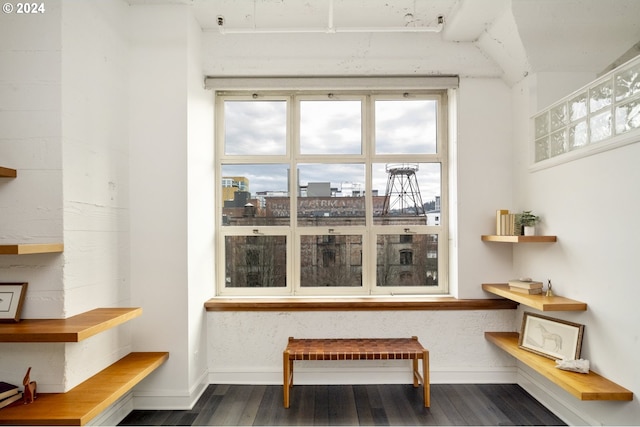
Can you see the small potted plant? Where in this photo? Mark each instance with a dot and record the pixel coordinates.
(528, 222)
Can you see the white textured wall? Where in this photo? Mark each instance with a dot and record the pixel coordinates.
(65, 130)
(31, 206)
(46, 359)
(591, 205)
(95, 176)
(246, 347)
(342, 54)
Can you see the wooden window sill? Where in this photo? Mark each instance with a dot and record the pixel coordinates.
(355, 304)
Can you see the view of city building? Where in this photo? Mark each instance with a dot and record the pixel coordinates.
(409, 259)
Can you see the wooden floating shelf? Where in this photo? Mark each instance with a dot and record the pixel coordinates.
(31, 248)
(519, 239)
(589, 386)
(8, 172)
(84, 402)
(72, 329)
(540, 302)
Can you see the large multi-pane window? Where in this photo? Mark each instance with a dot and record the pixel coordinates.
(331, 193)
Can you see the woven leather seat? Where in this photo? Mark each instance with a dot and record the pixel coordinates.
(357, 349)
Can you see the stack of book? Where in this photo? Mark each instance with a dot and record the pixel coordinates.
(525, 286)
(507, 224)
(9, 393)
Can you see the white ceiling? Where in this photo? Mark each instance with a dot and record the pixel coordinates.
(516, 36)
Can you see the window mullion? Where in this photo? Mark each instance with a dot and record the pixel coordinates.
(312, 156)
(293, 137)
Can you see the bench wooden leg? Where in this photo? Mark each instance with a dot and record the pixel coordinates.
(426, 384)
(287, 370)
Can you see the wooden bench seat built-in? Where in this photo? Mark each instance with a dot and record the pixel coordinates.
(357, 349)
(84, 402)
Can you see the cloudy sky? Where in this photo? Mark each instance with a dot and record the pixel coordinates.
(330, 127)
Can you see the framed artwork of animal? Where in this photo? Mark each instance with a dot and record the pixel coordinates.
(11, 300)
(549, 337)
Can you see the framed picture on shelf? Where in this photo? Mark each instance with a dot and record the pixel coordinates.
(11, 300)
(549, 337)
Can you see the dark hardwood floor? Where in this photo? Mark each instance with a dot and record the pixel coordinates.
(356, 405)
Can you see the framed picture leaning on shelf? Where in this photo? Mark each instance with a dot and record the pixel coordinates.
(549, 337)
(11, 300)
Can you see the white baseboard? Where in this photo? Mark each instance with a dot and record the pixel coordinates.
(544, 391)
(394, 375)
(169, 399)
(147, 400)
(114, 413)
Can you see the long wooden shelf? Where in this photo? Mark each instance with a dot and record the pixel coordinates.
(72, 329)
(31, 248)
(589, 386)
(540, 302)
(85, 401)
(8, 172)
(519, 239)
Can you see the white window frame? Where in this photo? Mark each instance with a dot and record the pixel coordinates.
(350, 88)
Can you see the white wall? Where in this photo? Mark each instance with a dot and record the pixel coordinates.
(201, 185)
(171, 249)
(65, 131)
(31, 206)
(95, 151)
(484, 182)
(590, 204)
(247, 347)
(100, 117)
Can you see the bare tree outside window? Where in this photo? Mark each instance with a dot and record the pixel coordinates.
(327, 261)
(255, 261)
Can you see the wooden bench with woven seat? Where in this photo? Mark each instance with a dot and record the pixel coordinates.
(357, 349)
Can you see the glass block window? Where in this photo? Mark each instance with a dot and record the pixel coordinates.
(604, 110)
